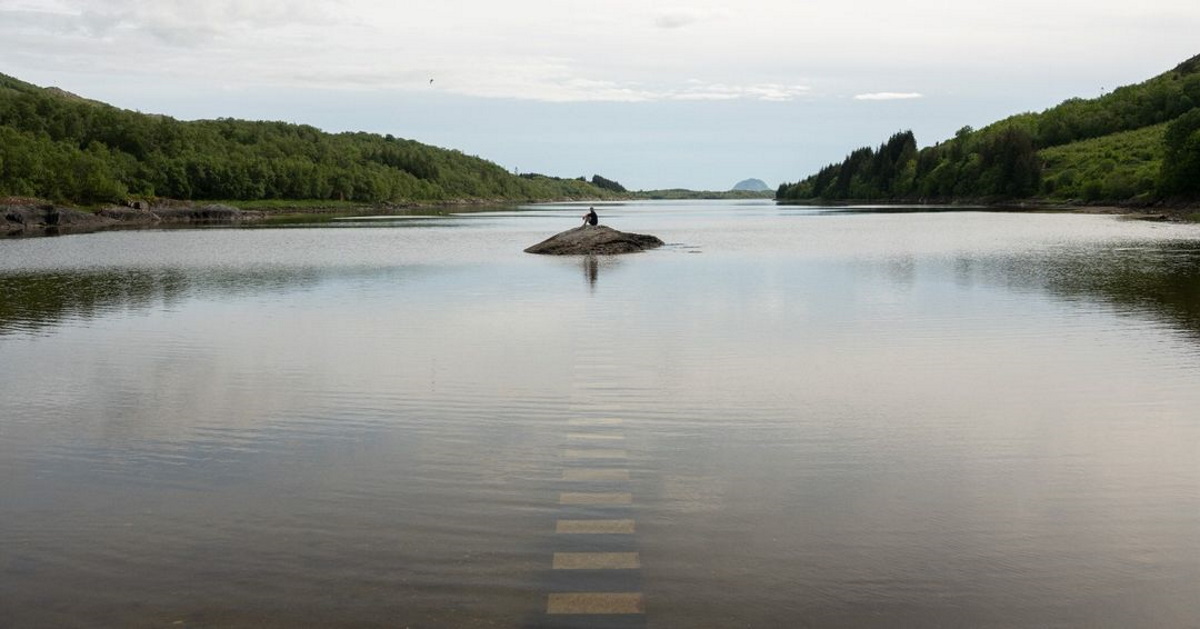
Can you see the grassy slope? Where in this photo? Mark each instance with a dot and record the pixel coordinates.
(1120, 166)
(1106, 149)
(1123, 165)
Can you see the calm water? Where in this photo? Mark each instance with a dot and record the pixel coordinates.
(826, 419)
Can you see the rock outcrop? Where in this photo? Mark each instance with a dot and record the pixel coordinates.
(30, 218)
(20, 217)
(595, 240)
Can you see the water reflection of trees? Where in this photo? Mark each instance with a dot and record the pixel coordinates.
(1160, 278)
(38, 300)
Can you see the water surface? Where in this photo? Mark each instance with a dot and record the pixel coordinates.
(829, 419)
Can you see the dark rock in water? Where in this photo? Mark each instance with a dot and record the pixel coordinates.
(597, 240)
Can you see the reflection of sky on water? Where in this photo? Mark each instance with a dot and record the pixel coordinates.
(837, 418)
(307, 300)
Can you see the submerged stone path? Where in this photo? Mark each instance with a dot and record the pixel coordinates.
(596, 566)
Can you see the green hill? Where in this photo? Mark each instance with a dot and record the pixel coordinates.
(1122, 165)
(59, 146)
(1140, 143)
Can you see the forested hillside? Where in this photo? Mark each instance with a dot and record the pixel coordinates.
(1139, 143)
(58, 146)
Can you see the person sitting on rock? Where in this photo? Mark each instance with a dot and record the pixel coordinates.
(590, 218)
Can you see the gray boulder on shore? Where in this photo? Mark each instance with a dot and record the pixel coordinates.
(595, 240)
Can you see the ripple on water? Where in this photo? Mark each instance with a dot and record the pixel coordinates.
(836, 420)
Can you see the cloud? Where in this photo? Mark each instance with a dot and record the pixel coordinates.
(558, 81)
(551, 83)
(675, 20)
(175, 22)
(771, 92)
(25, 20)
(521, 78)
(225, 44)
(889, 96)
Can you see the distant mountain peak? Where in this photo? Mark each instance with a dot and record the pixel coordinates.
(753, 185)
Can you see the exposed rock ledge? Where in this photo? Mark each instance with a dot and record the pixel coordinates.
(31, 218)
(596, 240)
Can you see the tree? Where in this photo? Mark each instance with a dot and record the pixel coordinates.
(607, 184)
(1181, 164)
(69, 149)
(1010, 165)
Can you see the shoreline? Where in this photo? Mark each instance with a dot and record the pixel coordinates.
(1182, 212)
(30, 217)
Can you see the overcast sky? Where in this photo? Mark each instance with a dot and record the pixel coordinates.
(695, 93)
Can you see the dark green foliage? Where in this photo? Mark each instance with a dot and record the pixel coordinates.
(1005, 160)
(1158, 100)
(607, 184)
(62, 147)
(996, 163)
(1181, 159)
(864, 174)
(993, 163)
(31, 166)
(1009, 164)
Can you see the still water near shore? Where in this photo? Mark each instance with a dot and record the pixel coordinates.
(830, 419)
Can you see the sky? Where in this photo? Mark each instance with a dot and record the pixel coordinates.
(692, 94)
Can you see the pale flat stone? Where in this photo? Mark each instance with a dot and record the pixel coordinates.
(596, 421)
(599, 603)
(595, 454)
(596, 561)
(594, 473)
(595, 527)
(590, 436)
(595, 498)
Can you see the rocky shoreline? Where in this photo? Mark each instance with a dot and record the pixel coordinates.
(24, 216)
(19, 217)
(1168, 211)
